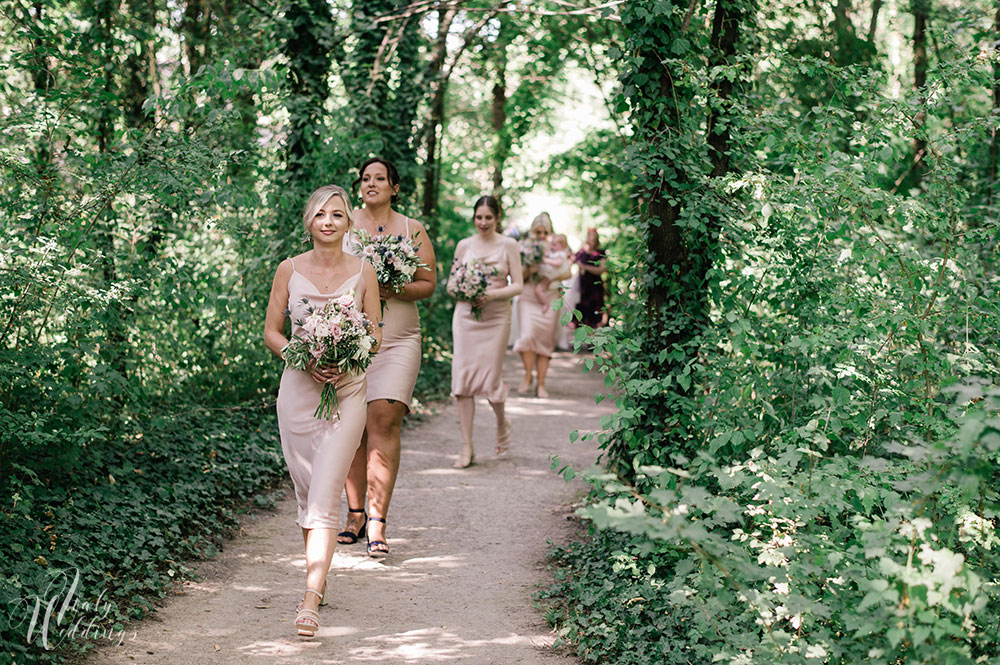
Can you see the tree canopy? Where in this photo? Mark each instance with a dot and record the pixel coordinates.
(799, 201)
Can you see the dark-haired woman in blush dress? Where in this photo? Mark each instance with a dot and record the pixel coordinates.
(480, 343)
(393, 372)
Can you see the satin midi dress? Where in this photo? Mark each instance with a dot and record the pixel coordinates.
(318, 452)
(479, 345)
(393, 372)
(538, 324)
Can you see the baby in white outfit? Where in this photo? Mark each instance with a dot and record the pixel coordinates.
(554, 265)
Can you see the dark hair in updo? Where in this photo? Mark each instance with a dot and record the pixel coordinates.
(390, 170)
(491, 203)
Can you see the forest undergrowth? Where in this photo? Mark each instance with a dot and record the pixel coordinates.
(800, 207)
(803, 466)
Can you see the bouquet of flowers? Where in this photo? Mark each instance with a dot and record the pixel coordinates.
(468, 282)
(336, 334)
(394, 258)
(532, 251)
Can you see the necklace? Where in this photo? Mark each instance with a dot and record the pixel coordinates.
(382, 229)
(326, 277)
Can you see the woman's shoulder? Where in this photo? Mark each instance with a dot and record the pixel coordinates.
(356, 262)
(359, 216)
(510, 243)
(417, 228)
(367, 272)
(287, 266)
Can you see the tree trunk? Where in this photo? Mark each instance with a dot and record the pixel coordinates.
(105, 132)
(499, 113)
(664, 241)
(42, 79)
(383, 77)
(141, 76)
(113, 351)
(661, 127)
(841, 17)
(678, 255)
(196, 26)
(408, 93)
(501, 147)
(725, 36)
(994, 139)
(435, 117)
(873, 24)
(921, 11)
(308, 64)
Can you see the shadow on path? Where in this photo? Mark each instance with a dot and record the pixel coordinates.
(467, 554)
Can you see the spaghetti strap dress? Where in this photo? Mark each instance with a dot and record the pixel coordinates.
(539, 324)
(318, 452)
(479, 345)
(393, 372)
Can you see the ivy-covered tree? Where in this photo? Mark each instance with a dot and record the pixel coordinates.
(383, 78)
(308, 46)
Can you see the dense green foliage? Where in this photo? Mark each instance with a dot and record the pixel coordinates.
(84, 553)
(156, 157)
(809, 474)
(802, 214)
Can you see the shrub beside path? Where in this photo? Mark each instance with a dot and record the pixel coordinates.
(468, 549)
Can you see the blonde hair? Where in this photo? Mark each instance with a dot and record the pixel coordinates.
(542, 220)
(561, 237)
(319, 199)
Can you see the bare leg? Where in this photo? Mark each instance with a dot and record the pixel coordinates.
(357, 481)
(528, 358)
(466, 417)
(320, 544)
(503, 427)
(384, 421)
(543, 369)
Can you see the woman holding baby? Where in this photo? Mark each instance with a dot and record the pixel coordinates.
(539, 322)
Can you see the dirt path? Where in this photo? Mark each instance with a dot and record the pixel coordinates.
(467, 555)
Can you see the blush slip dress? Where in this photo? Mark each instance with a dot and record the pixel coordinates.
(393, 372)
(539, 325)
(318, 452)
(479, 345)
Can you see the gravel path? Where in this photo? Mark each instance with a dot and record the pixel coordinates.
(467, 555)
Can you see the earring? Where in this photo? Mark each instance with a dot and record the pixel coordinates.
(306, 237)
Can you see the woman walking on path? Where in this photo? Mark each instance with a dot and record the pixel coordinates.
(592, 261)
(318, 451)
(538, 322)
(480, 329)
(393, 372)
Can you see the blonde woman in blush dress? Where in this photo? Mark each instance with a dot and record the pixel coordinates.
(318, 452)
(479, 344)
(539, 323)
(393, 372)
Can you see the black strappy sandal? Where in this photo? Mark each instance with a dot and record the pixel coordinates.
(378, 552)
(354, 537)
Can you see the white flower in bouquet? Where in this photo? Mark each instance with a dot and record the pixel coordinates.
(468, 282)
(532, 251)
(335, 334)
(394, 258)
